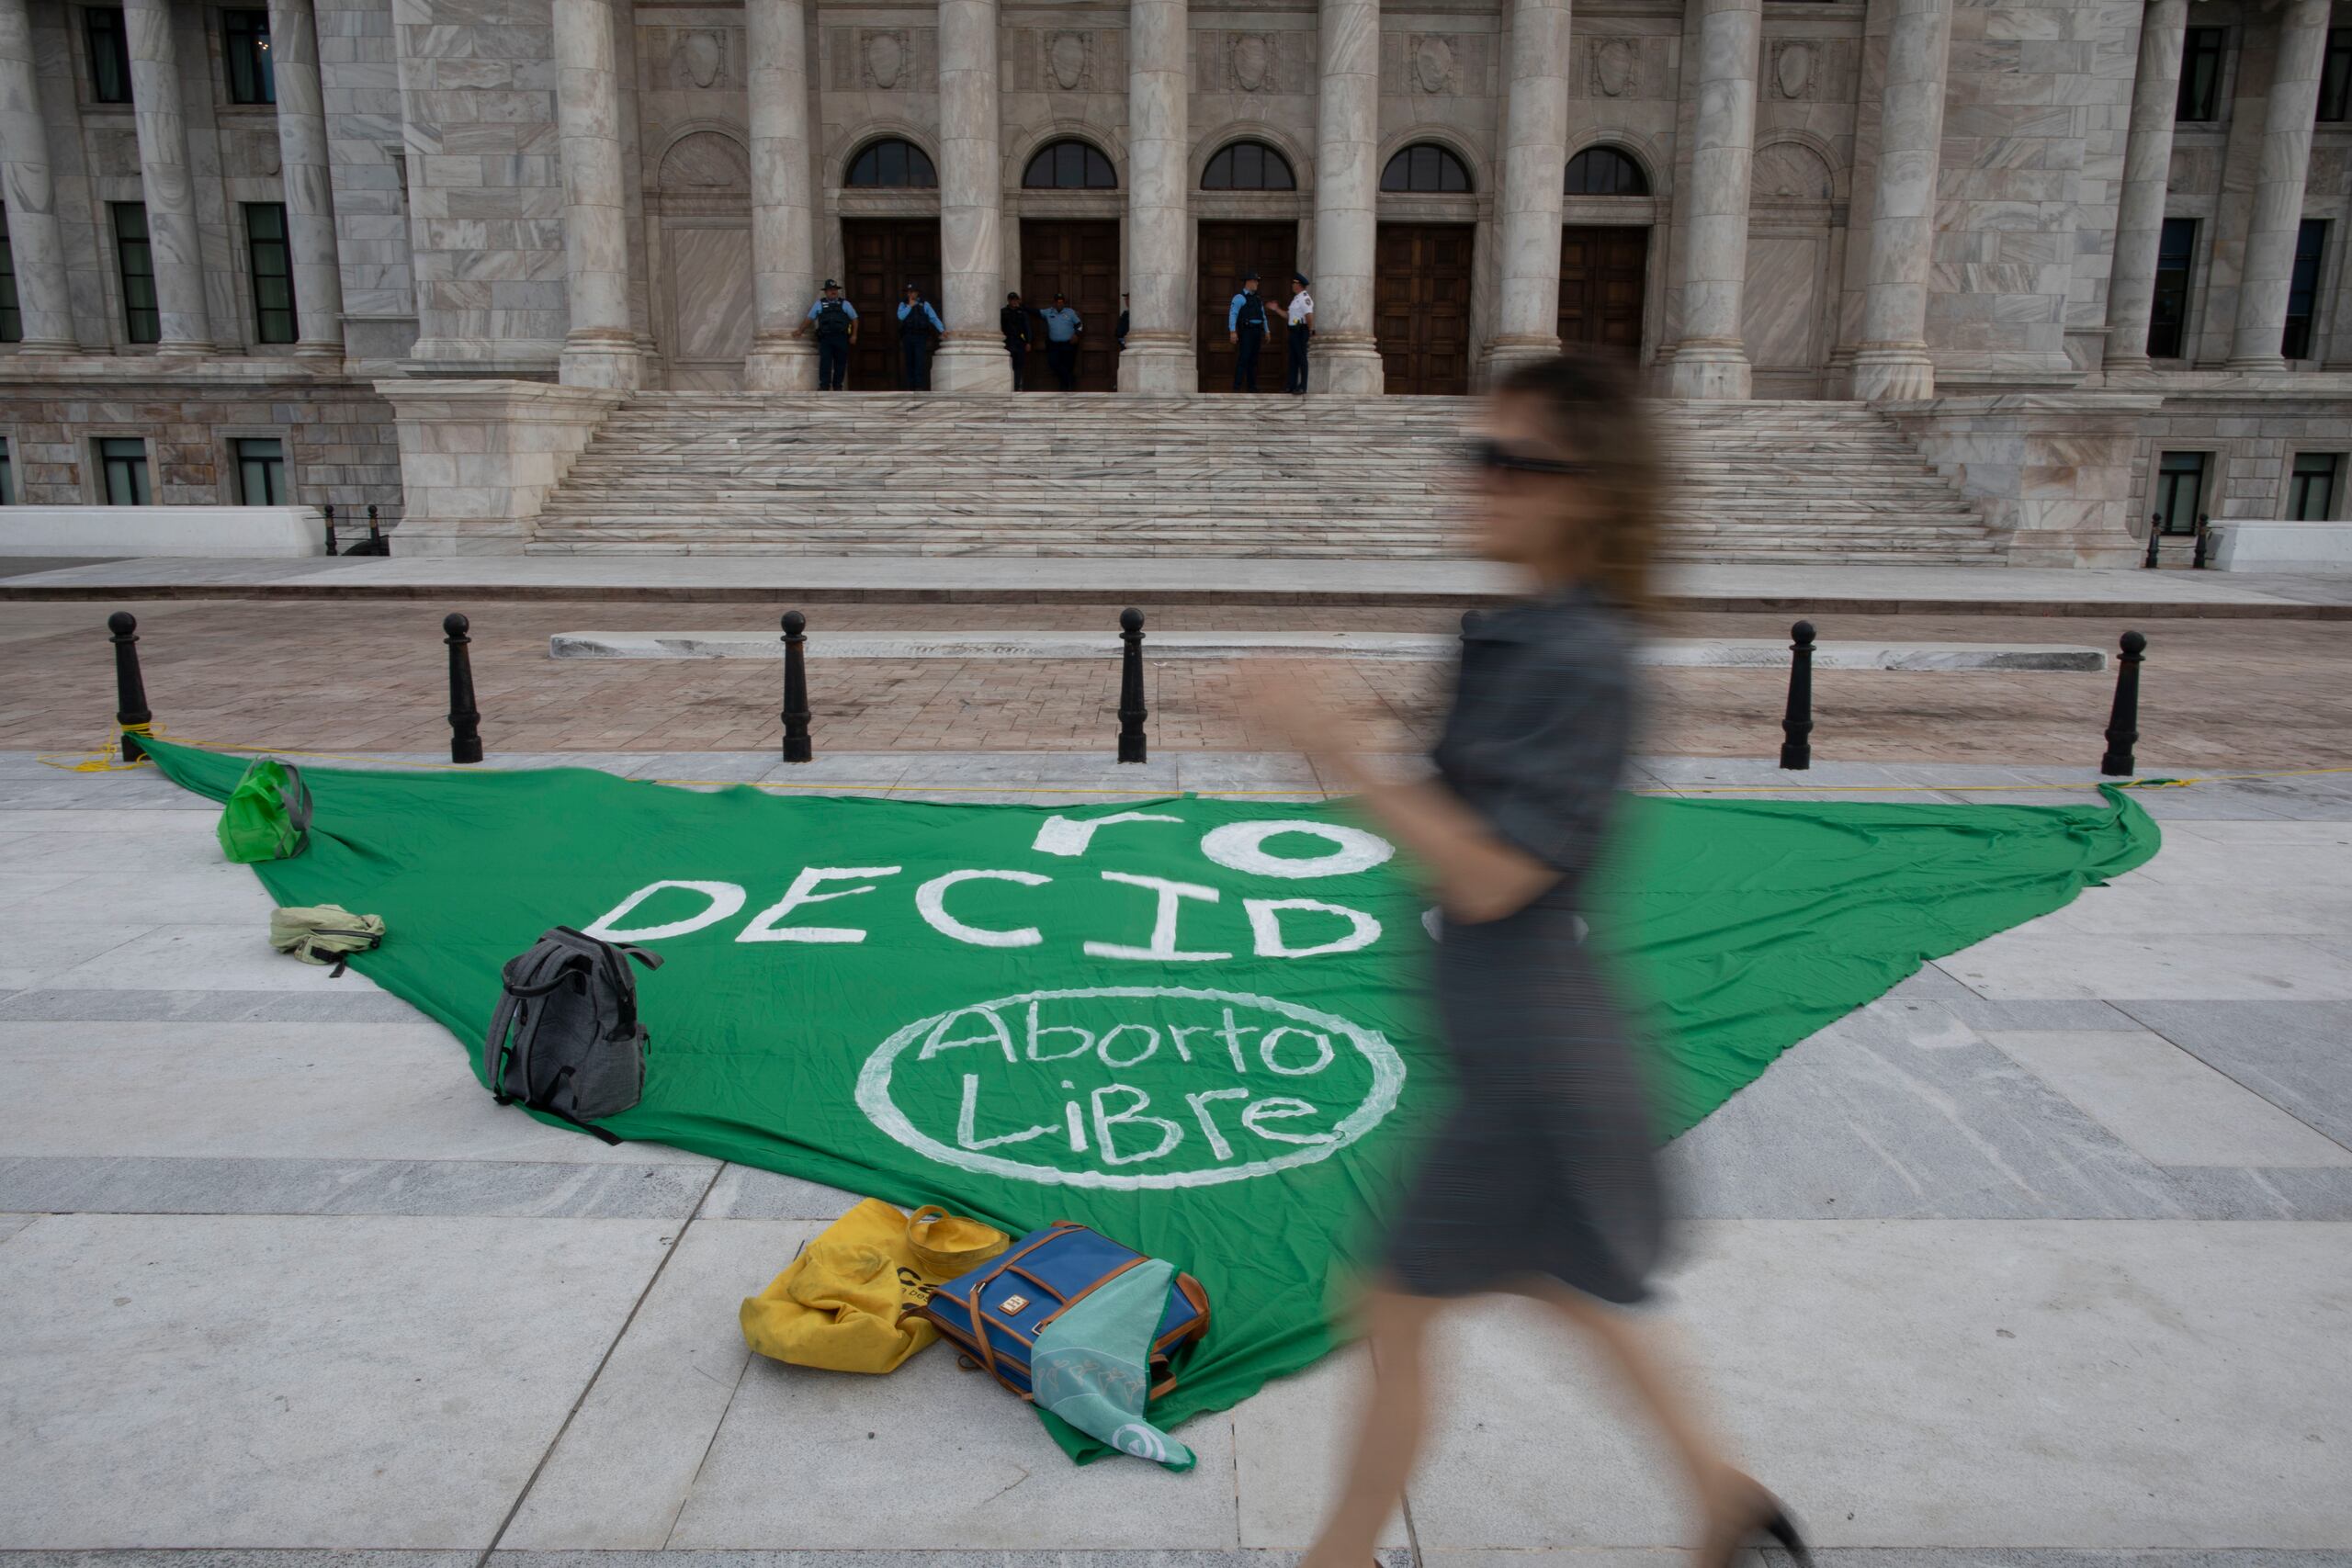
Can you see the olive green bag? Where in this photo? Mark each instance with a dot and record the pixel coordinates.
(268, 813)
(325, 934)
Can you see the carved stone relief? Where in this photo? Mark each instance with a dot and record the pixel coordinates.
(1790, 171)
(1616, 67)
(699, 59)
(1251, 62)
(1068, 61)
(884, 53)
(1433, 69)
(1795, 69)
(704, 161)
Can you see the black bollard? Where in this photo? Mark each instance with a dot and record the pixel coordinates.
(377, 544)
(2155, 538)
(2124, 719)
(1796, 724)
(2204, 540)
(130, 687)
(796, 745)
(465, 722)
(1132, 713)
(330, 512)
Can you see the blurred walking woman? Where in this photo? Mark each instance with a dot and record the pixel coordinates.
(1543, 1180)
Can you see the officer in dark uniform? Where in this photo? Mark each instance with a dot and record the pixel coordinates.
(1245, 324)
(919, 332)
(1013, 322)
(834, 321)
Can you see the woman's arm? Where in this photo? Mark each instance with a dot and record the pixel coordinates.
(1480, 875)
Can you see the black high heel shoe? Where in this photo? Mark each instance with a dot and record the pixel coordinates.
(1783, 1528)
(1769, 1518)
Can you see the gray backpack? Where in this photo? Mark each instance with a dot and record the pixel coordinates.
(565, 1039)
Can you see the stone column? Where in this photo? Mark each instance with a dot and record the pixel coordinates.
(1891, 362)
(302, 160)
(1346, 199)
(784, 255)
(599, 350)
(2279, 187)
(971, 358)
(2147, 169)
(1711, 360)
(33, 239)
(1158, 356)
(171, 237)
(1535, 154)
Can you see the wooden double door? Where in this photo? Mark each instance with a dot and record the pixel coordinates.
(1079, 258)
(1603, 277)
(1421, 307)
(885, 254)
(1227, 251)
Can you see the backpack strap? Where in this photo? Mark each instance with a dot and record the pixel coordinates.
(296, 798)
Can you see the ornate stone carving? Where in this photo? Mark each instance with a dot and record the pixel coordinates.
(1431, 64)
(1251, 60)
(1795, 69)
(1790, 171)
(884, 54)
(699, 59)
(704, 161)
(1616, 67)
(1069, 59)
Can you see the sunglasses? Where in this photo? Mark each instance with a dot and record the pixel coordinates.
(1494, 457)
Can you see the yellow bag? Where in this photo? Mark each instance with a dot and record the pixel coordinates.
(838, 1305)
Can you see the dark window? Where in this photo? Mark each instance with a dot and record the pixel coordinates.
(7, 478)
(2180, 490)
(893, 165)
(140, 321)
(1249, 165)
(2201, 74)
(122, 467)
(273, 268)
(2302, 288)
(2311, 487)
(2335, 77)
(1069, 166)
(1425, 166)
(12, 319)
(2168, 315)
(109, 56)
(1604, 171)
(261, 471)
(244, 38)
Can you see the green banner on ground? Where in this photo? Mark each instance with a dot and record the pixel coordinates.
(1194, 1024)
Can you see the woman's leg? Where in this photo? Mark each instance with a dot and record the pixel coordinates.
(1388, 1437)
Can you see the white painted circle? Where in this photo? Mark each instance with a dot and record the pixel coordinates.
(1241, 846)
(1387, 1080)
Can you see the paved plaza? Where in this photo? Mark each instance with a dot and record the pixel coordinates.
(2043, 1260)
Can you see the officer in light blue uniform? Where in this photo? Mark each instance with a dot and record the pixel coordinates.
(919, 332)
(1245, 324)
(1063, 326)
(834, 321)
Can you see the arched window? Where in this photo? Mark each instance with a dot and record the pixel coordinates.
(1249, 165)
(893, 165)
(1604, 171)
(1069, 166)
(1424, 166)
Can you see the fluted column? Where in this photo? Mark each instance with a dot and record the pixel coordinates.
(1711, 360)
(599, 350)
(1347, 199)
(2147, 171)
(1158, 356)
(33, 241)
(2278, 187)
(783, 240)
(1891, 362)
(1535, 153)
(171, 237)
(971, 357)
(303, 165)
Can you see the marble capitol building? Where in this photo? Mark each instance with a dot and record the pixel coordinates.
(1981, 280)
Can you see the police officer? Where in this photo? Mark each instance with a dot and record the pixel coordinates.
(919, 334)
(834, 321)
(1301, 330)
(1063, 326)
(1245, 325)
(1013, 323)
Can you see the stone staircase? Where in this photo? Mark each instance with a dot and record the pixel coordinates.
(1098, 475)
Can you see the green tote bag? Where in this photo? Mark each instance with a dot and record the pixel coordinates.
(268, 813)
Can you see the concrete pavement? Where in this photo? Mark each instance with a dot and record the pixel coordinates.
(2044, 1260)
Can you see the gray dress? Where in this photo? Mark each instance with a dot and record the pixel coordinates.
(1546, 1164)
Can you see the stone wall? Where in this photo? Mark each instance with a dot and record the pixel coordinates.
(359, 75)
(2252, 435)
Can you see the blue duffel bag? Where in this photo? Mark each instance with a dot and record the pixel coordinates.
(994, 1314)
